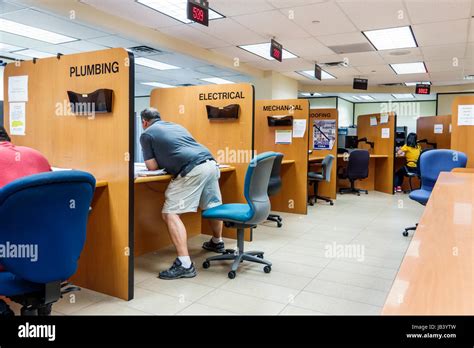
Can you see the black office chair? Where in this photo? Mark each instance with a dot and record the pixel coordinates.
(274, 186)
(325, 175)
(357, 169)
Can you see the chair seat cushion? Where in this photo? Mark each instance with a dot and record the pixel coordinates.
(315, 176)
(421, 196)
(11, 285)
(229, 212)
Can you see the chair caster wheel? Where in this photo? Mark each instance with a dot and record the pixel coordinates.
(267, 269)
(279, 224)
(331, 203)
(280, 219)
(206, 264)
(405, 233)
(231, 275)
(260, 256)
(366, 193)
(358, 194)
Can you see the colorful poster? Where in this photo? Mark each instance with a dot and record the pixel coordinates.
(17, 118)
(324, 134)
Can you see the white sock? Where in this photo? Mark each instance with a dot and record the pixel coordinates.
(216, 240)
(185, 261)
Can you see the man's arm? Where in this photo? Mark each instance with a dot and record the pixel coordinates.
(148, 154)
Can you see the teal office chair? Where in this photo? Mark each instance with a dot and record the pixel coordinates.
(316, 177)
(242, 216)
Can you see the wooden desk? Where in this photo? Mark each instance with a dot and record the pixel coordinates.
(151, 233)
(463, 170)
(287, 162)
(101, 183)
(437, 273)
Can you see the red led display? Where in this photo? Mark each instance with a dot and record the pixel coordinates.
(198, 13)
(422, 89)
(276, 51)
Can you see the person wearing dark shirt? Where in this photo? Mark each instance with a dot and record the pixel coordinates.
(171, 147)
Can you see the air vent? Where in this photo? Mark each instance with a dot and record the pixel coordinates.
(397, 84)
(145, 50)
(353, 48)
(341, 64)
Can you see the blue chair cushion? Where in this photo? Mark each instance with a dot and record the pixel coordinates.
(421, 196)
(12, 285)
(229, 212)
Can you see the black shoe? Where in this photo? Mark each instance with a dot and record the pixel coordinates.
(5, 310)
(215, 247)
(177, 271)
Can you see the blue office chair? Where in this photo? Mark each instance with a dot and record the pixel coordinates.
(242, 216)
(431, 164)
(48, 213)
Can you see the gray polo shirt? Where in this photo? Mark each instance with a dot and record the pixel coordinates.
(173, 147)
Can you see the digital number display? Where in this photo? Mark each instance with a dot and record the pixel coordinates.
(198, 13)
(422, 89)
(276, 51)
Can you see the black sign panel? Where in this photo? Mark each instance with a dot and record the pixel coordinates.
(360, 84)
(198, 13)
(276, 51)
(317, 72)
(422, 89)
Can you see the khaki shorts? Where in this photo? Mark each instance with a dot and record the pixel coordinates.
(198, 189)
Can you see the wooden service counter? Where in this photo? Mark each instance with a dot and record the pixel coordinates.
(437, 274)
(151, 233)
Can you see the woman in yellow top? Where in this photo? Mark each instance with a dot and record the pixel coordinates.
(412, 151)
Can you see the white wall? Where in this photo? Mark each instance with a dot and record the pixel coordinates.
(275, 86)
(446, 100)
(323, 103)
(141, 103)
(407, 112)
(346, 111)
(1, 82)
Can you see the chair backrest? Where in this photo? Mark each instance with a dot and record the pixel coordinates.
(358, 166)
(256, 186)
(274, 185)
(46, 216)
(434, 162)
(327, 167)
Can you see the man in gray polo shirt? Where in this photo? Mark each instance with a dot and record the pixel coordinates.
(195, 185)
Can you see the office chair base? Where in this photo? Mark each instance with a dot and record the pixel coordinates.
(239, 256)
(405, 233)
(353, 190)
(313, 199)
(275, 218)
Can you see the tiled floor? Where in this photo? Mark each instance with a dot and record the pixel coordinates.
(305, 280)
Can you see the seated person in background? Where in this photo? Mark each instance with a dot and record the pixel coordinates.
(195, 185)
(18, 161)
(412, 151)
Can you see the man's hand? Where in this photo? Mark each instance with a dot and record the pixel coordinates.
(151, 164)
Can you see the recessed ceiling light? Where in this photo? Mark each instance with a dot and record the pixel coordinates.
(9, 48)
(157, 84)
(149, 63)
(410, 84)
(356, 98)
(263, 50)
(217, 80)
(403, 96)
(176, 9)
(33, 33)
(367, 97)
(409, 68)
(35, 54)
(392, 38)
(310, 74)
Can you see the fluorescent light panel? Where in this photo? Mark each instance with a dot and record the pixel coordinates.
(403, 96)
(367, 97)
(356, 97)
(411, 84)
(392, 38)
(33, 33)
(35, 54)
(149, 63)
(176, 9)
(310, 73)
(263, 50)
(9, 48)
(409, 68)
(157, 84)
(311, 94)
(217, 80)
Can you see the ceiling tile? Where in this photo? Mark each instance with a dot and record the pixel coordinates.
(234, 52)
(295, 64)
(232, 32)
(177, 59)
(376, 69)
(443, 65)
(6, 7)
(331, 19)
(292, 3)
(308, 48)
(114, 41)
(437, 10)
(444, 51)
(83, 46)
(363, 59)
(240, 7)
(272, 24)
(355, 37)
(375, 14)
(191, 34)
(406, 55)
(441, 33)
